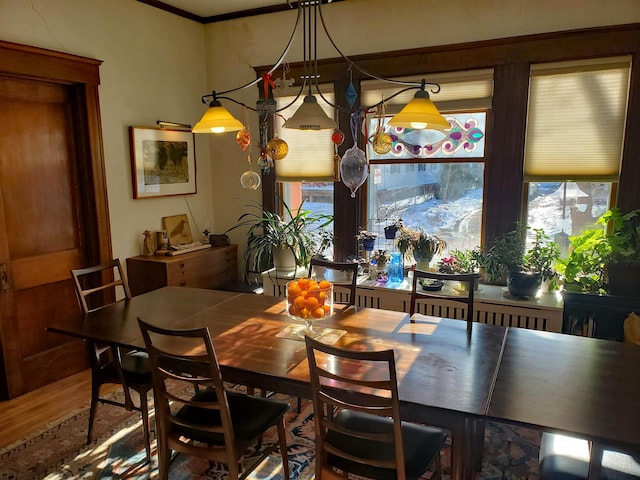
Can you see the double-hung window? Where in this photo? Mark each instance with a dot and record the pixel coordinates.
(431, 179)
(575, 129)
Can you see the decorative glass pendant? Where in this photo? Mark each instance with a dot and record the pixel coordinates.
(337, 137)
(243, 138)
(277, 148)
(250, 180)
(354, 169)
(382, 143)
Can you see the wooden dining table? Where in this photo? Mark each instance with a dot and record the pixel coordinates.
(447, 376)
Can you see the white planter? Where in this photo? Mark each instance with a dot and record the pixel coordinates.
(284, 260)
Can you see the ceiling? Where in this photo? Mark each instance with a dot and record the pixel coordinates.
(209, 11)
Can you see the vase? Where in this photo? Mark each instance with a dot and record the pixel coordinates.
(395, 271)
(523, 284)
(422, 261)
(368, 244)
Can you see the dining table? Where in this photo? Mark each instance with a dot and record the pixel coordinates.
(448, 376)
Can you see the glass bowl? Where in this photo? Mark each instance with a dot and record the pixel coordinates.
(309, 300)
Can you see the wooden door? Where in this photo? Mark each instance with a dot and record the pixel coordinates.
(48, 224)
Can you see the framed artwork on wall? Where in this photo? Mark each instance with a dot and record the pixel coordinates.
(163, 162)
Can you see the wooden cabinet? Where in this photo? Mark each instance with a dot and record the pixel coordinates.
(211, 268)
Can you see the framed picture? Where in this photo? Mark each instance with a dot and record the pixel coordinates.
(163, 162)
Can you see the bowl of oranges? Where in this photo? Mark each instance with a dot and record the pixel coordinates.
(309, 299)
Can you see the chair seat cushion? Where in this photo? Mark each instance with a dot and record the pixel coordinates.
(421, 444)
(567, 458)
(250, 416)
(136, 368)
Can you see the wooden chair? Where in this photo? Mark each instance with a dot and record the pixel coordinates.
(343, 275)
(363, 434)
(417, 292)
(95, 289)
(212, 423)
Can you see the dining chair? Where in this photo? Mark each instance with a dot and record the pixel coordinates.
(96, 288)
(476, 427)
(358, 428)
(465, 296)
(343, 275)
(563, 457)
(213, 423)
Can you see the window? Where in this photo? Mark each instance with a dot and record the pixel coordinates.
(572, 154)
(306, 173)
(430, 179)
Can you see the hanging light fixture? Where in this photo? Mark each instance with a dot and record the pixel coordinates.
(216, 119)
(419, 113)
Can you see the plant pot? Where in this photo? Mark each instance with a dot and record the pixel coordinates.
(283, 259)
(464, 286)
(524, 284)
(368, 244)
(390, 232)
(623, 280)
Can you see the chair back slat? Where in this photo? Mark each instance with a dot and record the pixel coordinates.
(343, 275)
(361, 381)
(465, 296)
(100, 279)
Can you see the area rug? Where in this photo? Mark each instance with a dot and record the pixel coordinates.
(60, 452)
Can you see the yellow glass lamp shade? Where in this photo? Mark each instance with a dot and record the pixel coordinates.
(420, 113)
(217, 119)
(310, 116)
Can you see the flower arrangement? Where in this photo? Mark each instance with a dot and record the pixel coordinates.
(366, 235)
(381, 258)
(423, 246)
(460, 261)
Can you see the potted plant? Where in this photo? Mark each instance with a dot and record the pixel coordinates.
(541, 258)
(622, 258)
(368, 239)
(391, 230)
(285, 241)
(421, 245)
(461, 261)
(584, 269)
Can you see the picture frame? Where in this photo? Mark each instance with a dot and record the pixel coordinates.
(163, 162)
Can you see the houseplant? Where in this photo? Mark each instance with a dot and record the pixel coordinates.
(584, 269)
(368, 239)
(622, 258)
(419, 244)
(286, 241)
(391, 230)
(461, 261)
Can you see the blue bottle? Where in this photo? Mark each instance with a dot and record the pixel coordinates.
(395, 268)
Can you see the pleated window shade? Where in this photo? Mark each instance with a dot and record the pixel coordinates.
(310, 157)
(576, 120)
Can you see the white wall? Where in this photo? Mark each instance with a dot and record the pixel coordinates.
(154, 69)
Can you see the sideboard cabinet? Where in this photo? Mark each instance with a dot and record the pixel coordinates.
(210, 268)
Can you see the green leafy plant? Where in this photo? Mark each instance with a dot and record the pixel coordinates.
(300, 229)
(623, 237)
(584, 270)
(542, 255)
(505, 254)
(460, 261)
(421, 245)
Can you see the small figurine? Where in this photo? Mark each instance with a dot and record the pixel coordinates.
(148, 248)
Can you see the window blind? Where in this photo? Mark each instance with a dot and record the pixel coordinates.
(310, 156)
(576, 120)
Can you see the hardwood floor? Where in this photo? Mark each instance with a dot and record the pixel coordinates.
(34, 411)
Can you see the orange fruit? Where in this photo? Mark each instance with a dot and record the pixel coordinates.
(299, 302)
(293, 310)
(305, 313)
(312, 303)
(294, 289)
(327, 309)
(318, 312)
(303, 283)
(314, 287)
(322, 297)
(324, 284)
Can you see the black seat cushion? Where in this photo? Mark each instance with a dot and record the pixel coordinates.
(250, 416)
(567, 458)
(420, 443)
(136, 368)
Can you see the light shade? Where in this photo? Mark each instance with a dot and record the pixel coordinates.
(217, 119)
(420, 113)
(310, 116)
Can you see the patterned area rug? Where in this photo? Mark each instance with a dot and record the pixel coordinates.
(118, 452)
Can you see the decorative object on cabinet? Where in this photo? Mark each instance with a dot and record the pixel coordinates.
(163, 162)
(212, 268)
(178, 229)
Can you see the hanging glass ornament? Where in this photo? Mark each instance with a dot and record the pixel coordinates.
(250, 179)
(243, 138)
(354, 169)
(337, 137)
(277, 148)
(382, 143)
